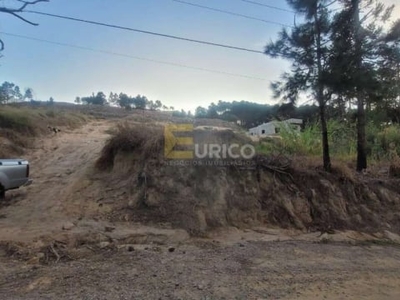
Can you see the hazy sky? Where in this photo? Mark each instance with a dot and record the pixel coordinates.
(64, 73)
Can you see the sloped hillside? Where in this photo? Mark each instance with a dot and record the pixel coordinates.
(19, 126)
(134, 183)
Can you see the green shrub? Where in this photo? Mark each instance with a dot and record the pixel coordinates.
(309, 141)
(384, 141)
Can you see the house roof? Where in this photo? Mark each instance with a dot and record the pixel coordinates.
(290, 121)
(294, 121)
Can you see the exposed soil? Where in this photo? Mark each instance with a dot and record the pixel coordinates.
(213, 270)
(77, 234)
(56, 164)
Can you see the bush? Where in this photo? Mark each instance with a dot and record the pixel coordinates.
(143, 141)
(309, 141)
(383, 141)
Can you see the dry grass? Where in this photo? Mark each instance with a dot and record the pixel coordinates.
(343, 171)
(19, 126)
(304, 163)
(141, 140)
(394, 169)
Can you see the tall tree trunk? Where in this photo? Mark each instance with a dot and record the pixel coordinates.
(361, 136)
(398, 79)
(320, 94)
(342, 107)
(325, 141)
(361, 119)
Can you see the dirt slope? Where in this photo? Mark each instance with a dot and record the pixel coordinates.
(56, 164)
(136, 183)
(53, 207)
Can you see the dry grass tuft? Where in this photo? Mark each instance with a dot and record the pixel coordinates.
(143, 141)
(394, 169)
(306, 163)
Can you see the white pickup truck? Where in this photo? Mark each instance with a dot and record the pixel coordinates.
(14, 173)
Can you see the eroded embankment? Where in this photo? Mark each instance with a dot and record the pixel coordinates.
(136, 184)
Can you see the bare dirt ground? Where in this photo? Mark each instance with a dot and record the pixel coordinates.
(246, 270)
(164, 263)
(56, 165)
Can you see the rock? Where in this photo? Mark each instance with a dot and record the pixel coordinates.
(171, 249)
(68, 226)
(103, 245)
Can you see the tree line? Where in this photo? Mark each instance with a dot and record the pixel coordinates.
(249, 114)
(343, 54)
(122, 100)
(10, 92)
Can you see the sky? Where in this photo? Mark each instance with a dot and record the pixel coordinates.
(146, 64)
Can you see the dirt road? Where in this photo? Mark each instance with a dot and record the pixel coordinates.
(247, 270)
(56, 165)
(159, 263)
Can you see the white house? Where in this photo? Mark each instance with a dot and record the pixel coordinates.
(273, 128)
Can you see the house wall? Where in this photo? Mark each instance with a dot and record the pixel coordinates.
(263, 130)
(268, 129)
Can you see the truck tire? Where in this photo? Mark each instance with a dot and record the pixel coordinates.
(2, 192)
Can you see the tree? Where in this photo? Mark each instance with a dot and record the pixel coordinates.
(51, 101)
(15, 11)
(124, 101)
(28, 94)
(179, 114)
(150, 105)
(387, 96)
(113, 98)
(307, 46)
(158, 104)
(98, 99)
(356, 63)
(17, 93)
(140, 102)
(9, 92)
(200, 112)
(212, 111)
(78, 100)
